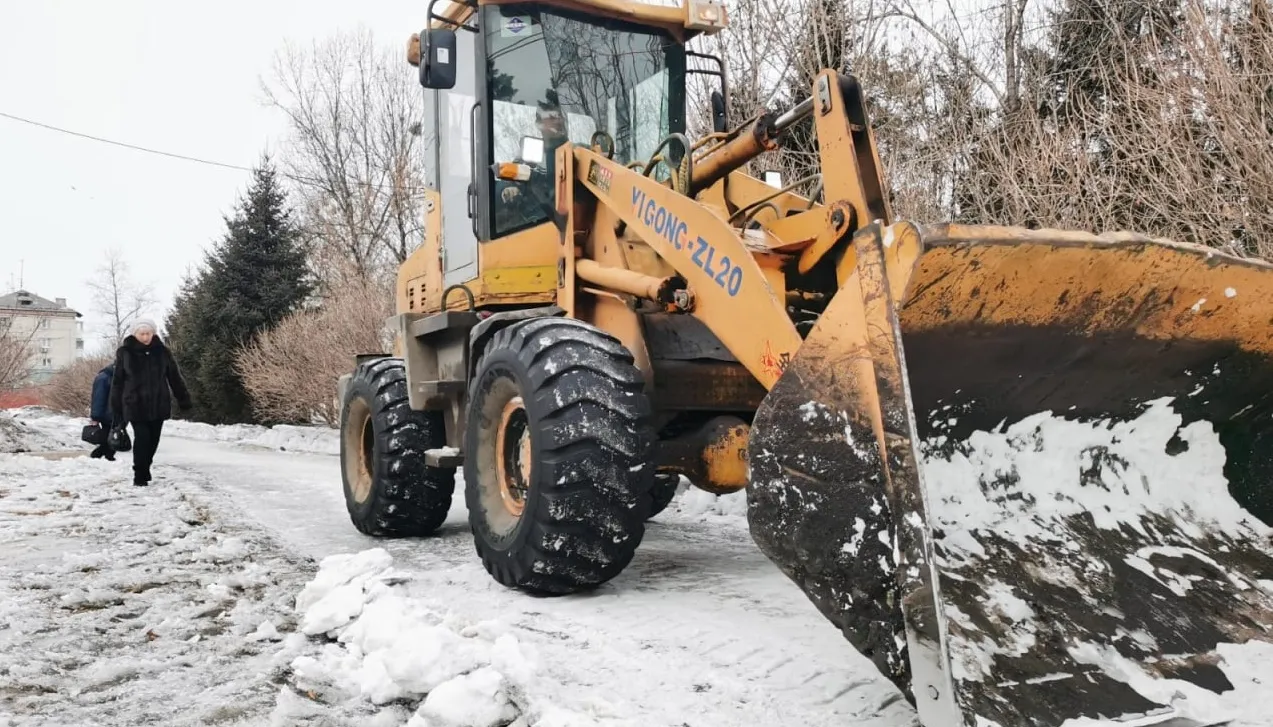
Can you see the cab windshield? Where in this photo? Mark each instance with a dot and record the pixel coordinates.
(554, 77)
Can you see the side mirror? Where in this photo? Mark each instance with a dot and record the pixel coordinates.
(532, 150)
(773, 178)
(720, 122)
(437, 58)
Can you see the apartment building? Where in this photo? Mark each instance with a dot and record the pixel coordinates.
(53, 331)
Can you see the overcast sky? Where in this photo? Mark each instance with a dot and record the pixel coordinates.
(179, 77)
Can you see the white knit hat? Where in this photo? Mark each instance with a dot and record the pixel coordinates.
(141, 323)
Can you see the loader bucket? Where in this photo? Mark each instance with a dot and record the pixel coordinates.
(1029, 474)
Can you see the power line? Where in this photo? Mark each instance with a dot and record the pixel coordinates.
(123, 144)
(303, 180)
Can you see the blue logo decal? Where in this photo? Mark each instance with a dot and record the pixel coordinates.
(676, 232)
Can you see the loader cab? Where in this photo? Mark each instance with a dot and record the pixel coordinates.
(510, 84)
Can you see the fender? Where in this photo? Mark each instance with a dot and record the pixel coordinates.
(482, 333)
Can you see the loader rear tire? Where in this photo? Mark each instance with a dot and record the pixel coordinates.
(558, 457)
(389, 490)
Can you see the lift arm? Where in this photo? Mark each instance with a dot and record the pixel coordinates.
(732, 297)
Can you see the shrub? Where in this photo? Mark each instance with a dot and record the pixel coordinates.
(70, 391)
(290, 371)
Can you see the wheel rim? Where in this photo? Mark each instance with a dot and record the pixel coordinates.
(513, 456)
(360, 446)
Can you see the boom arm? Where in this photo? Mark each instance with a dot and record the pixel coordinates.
(732, 297)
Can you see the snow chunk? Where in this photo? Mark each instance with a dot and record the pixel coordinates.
(477, 699)
(1230, 292)
(267, 631)
(697, 503)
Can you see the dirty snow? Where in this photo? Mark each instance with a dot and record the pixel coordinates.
(127, 605)
(268, 608)
(18, 435)
(1021, 483)
(283, 437)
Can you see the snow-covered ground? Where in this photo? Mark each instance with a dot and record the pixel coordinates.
(123, 605)
(300, 620)
(36, 423)
(235, 591)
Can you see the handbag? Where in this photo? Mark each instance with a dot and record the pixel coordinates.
(119, 441)
(93, 434)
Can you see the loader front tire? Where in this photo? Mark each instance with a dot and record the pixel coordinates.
(557, 466)
(389, 490)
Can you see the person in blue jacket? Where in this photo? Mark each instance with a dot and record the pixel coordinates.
(100, 411)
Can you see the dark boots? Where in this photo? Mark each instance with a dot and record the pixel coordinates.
(103, 450)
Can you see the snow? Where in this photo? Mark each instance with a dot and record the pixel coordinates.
(1049, 456)
(239, 593)
(1230, 292)
(1247, 666)
(697, 503)
(234, 590)
(477, 699)
(18, 435)
(1026, 485)
(65, 430)
(116, 603)
(283, 437)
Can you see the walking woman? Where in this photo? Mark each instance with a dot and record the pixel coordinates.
(144, 372)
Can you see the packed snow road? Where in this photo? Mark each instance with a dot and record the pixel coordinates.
(701, 630)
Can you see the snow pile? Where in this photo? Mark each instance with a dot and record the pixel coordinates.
(1023, 566)
(282, 437)
(697, 503)
(18, 435)
(378, 644)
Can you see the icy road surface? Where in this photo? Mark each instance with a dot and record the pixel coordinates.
(178, 604)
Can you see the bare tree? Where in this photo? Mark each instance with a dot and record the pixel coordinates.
(118, 296)
(15, 354)
(353, 151)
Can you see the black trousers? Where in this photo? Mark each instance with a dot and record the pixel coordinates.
(145, 442)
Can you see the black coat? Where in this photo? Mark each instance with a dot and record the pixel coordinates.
(143, 375)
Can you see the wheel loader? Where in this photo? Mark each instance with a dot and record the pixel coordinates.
(603, 306)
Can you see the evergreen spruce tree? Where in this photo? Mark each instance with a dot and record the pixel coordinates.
(255, 276)
(183, 338)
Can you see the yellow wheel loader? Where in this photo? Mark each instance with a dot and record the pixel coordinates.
(603, 305)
